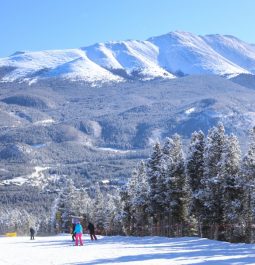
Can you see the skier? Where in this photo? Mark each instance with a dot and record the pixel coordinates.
(32, 233)
(73, 233)
(78, 234)
(91, 229)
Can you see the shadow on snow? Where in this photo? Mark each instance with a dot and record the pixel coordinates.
(198, 250)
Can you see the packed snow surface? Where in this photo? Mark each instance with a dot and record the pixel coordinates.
(116, 250)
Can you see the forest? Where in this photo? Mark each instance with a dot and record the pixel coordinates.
(205, 188)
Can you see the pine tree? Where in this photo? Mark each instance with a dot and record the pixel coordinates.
(99, 213)
(139, 199)
(166, 166)
(126, 209)
(248, 171)
(232, 192)
(154, 173)
(195, 172)
(177, 196)
(213, 192)
(66, 204)
(132, 189)
(113, 220)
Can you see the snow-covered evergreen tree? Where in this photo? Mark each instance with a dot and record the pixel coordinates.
(209, 180)
(195, 172)
(139, 199)
(114, 224)
(213, 195)
(229, 173)
(66, 204)
(155, 182)
(166, 166)
(72, 202)
(126, 209)
(248, 171)
(99, 213)
(177, 195)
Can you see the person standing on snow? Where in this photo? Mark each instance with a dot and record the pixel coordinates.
(32, 233)
(73, 233)
(78, 234)
(91, 229)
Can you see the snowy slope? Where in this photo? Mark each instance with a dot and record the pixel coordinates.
(130, 55)
(28, 63)
(233, 49)
(82, 69)
(71, 64)
(190, 54)
(59, 250)
(159, 57)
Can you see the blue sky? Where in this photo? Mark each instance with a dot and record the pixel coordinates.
(58, 24)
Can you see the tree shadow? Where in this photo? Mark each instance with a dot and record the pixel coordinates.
(196, 250)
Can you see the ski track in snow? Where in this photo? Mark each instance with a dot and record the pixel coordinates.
(56, 250)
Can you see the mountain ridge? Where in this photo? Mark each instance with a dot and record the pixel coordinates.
(166, 56)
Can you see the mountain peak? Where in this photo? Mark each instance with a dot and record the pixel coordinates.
(161, 56)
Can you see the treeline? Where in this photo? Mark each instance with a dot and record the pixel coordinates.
(50, 210)
(24, 206)
(209, 191)
(92, 204)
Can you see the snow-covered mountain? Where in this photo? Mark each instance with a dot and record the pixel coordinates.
(167, 56)
(190, 54)
(235, 50)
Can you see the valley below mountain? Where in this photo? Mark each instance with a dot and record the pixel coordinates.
(56, 129)
(92, 113)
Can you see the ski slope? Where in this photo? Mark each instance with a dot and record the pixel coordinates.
(57, 250)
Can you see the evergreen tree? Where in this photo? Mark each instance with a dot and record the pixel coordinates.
(195, 172)
(100, 210)
(132, 188)
(166, 166)
(248, 171)
(66, 204)
(83, 205)
(126, 206)
(139, 199)
(177, 196)
(232, 192)
(114, 224)
(154, 173)
(213, 194)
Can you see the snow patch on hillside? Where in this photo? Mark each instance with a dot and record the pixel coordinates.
(112, 150)
(189, 111)
(37, 178)
(44, 122)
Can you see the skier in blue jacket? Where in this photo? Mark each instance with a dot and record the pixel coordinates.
(78, 234)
